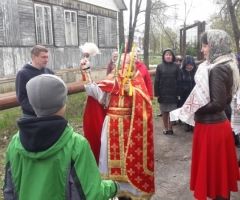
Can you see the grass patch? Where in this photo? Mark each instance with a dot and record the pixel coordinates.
(75, 110)
(155, 107)
(74, 113)
(153, 59)
(8, 125)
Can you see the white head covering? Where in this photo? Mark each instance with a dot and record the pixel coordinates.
(220, 45)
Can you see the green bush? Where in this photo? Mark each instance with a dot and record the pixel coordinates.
(153, 59)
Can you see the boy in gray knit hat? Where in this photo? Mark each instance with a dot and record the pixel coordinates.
(46, 159)
(47, 94)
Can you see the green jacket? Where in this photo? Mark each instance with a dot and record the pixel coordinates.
(38, 168)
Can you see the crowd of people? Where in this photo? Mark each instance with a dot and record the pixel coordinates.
(47, 159)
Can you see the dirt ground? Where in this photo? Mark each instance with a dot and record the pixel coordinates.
(172, 164)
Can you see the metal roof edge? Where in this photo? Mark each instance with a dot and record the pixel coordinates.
(120, 4)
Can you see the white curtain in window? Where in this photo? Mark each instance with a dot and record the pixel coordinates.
(71, 28)
(43, 22)
(92, 29)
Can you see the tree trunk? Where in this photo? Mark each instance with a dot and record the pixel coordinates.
(130, 39)
(184, 40)
(146, 33)
(133, 22)
(234, 24)
(121, 30)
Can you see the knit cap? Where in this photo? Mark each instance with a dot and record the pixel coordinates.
(47, 94)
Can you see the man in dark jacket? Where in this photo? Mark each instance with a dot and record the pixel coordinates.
(167, 87)
(39, 55)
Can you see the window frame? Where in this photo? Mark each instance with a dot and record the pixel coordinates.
(72, 43)
(94, 33)
(43, 30)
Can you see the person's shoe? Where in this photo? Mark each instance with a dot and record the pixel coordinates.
(165, 132)
(187, 127)
(236, 139)
(180, 122)
(170, 132)
(192, 128)
(123, 198)
(159, 115)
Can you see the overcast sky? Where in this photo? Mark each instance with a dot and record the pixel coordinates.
(200, 10)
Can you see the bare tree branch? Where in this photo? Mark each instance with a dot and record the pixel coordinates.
(235, 3)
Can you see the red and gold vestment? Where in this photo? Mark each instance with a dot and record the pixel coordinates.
(130, 135)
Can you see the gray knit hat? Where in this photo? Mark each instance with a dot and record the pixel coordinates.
(47, 94)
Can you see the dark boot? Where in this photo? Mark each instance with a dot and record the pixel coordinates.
(180, 122)
(165, 132)
(236, 139)
(187, 127)
(192, 128)
(221, 198)
(124, 198)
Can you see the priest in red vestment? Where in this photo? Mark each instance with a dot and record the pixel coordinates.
(126, 148)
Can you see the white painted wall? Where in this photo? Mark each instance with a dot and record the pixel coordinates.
(109, 4)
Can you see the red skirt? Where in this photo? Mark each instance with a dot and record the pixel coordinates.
(214, 169)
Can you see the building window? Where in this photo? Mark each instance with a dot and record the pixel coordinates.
(92, 28)
(43, 21)
(71, 27)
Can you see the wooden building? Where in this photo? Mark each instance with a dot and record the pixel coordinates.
(60, 25)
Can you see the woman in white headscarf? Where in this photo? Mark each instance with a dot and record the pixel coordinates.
(214, 170)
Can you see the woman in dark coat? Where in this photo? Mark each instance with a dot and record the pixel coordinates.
(188, 70)
(167, 87)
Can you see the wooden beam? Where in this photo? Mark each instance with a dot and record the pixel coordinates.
(9, 100)
(191, 26)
